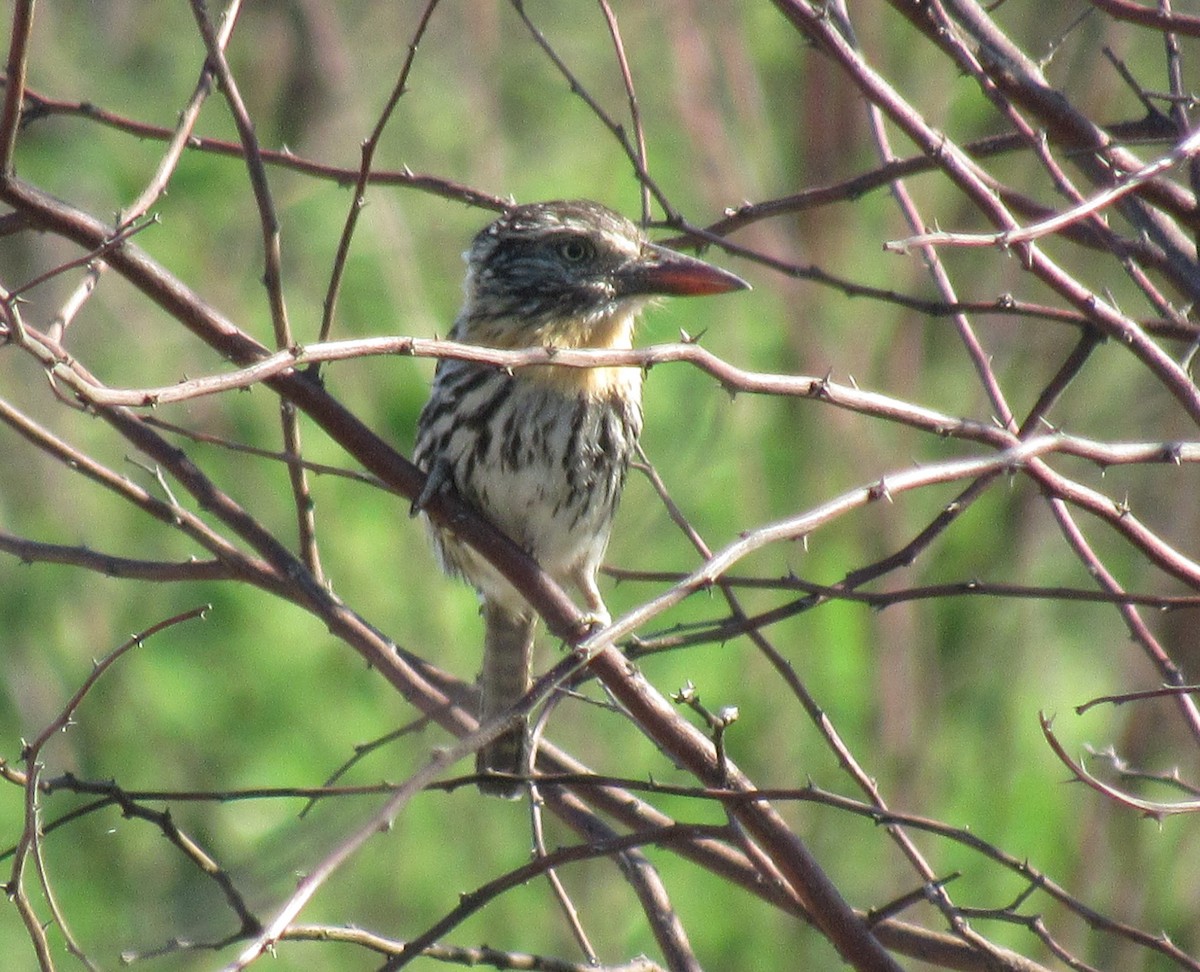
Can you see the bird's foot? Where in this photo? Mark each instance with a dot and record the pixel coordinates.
(436, 481)
(597, 619)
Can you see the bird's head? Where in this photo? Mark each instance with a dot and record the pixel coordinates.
(571, 274)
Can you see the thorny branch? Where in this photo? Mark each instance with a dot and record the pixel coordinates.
(758, 849)
(29, 846)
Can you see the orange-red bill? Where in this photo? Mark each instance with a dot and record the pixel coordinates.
(663, 271)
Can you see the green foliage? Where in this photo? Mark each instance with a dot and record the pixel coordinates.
(937, 699)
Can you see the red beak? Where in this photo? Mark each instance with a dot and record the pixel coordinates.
(663, 271)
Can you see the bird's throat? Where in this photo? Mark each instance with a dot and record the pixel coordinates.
(608, 332)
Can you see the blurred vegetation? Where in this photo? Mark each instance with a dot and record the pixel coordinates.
(937, 699)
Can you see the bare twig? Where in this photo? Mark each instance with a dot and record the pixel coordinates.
(1141, 13)
(474, 900)
(1186, 149)
(635, 152)
(1153, 809)
(369, 147)
(29, 844)
(14, 87)
(272, 275)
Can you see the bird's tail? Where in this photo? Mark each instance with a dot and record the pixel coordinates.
(507, 657)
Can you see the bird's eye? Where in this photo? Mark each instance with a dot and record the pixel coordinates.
(575, 250)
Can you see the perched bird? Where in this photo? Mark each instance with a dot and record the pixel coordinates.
(543, 451)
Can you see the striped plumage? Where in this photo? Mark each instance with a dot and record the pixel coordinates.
(543, 451)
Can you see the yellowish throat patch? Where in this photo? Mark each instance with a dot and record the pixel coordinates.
(613, 331)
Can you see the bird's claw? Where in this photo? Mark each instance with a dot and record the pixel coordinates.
(594, 620)
(436, 481)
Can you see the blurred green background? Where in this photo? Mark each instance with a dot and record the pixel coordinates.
(938, 700)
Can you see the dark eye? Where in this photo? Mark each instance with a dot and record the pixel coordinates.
(576, 250)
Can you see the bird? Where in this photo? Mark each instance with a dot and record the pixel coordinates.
(542, 451)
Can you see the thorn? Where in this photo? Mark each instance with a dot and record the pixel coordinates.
(686, 694)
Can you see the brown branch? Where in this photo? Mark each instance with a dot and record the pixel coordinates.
(14, 87)
(1116, 515)
(1159, 19)
(1185, 150)
(29, 844)
(320, 468)
(732, 378)
(1168, 670)
(1153, 809)
(1123, 697)
(633, 152)
(883, 599)
(1022, 81)
(1120, 767)
(200, 859)
(635, 112)
(303, 503)
(255, 170)
(963, 836)
(181, 137)
(369, 147)
(245, 568)
(127, 568)
(459, 955)
(41, 105)
(126, 232)
(1005, 68)
(472, 901)
(963, 172)
(558, 890)
(767, 850)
